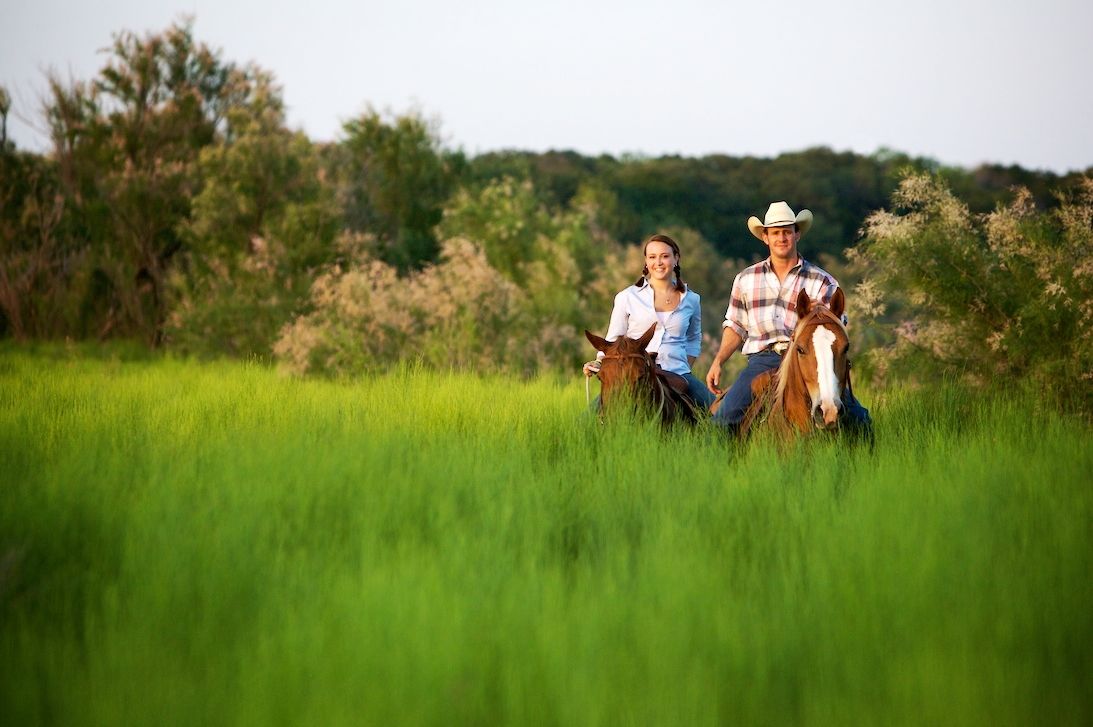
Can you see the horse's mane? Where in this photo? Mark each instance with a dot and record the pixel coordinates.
(781, 376)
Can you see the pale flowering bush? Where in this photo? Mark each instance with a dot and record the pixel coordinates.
(458, 313)
(991, 298)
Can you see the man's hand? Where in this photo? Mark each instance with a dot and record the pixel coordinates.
(713, 377)
(730, 344)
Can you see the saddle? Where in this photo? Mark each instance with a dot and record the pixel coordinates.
(675, 382)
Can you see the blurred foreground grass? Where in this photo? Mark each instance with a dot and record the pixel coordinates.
(186, 543)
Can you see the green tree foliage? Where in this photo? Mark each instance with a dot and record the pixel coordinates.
(558, 176)
(562, 258)
(393, 178)
(44, 277)
(126, 145)
(5, 109)
(38, 267)
(989, 185)
(261, 225)
(506, 219)
(1005, 296)
(716, 194)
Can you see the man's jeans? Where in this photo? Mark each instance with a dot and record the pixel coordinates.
(736, 401)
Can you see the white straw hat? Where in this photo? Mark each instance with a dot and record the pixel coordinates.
(779, 214)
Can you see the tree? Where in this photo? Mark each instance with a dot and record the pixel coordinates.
(5, 108)
(38, 269)
(127, 145)
(262, 223)
(393, 178)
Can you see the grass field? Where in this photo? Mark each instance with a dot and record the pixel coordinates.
(201, 544)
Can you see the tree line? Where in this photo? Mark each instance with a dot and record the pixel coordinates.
(176, 207)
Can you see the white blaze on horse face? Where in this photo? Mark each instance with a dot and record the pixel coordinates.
(830, 396)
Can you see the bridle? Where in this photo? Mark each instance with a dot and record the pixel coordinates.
(634, 354)
(824, 314)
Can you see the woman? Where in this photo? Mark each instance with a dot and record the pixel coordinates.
(660, 296)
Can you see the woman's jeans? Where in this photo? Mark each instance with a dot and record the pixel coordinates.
(698, 392)
(738, 399)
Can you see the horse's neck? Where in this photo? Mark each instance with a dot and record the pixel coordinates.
(792, 403)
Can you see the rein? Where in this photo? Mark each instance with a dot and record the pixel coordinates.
(626, 355)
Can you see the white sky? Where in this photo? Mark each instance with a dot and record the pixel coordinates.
(961, 81)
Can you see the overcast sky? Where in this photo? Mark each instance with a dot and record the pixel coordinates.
(961, 81)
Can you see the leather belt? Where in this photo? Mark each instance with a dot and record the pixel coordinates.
(779, 347)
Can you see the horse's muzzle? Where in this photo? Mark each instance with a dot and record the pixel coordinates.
(826, 416)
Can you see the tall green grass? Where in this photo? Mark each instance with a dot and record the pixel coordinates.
(189, 544)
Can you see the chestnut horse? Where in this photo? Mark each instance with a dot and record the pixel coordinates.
(805, 393)
(628, 372)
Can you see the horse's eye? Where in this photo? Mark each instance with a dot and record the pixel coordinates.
(801, 350)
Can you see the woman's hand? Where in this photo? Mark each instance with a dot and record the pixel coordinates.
(592, 368)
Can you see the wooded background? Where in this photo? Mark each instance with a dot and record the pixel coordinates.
(176, 208)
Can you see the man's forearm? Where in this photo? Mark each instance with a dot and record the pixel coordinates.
(730, 344)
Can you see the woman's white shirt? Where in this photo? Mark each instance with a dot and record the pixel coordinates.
(679, 336)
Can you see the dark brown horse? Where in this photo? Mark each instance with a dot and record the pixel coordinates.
(805, 393)
(630, 373)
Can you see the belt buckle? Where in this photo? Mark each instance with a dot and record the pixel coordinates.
(780, 347)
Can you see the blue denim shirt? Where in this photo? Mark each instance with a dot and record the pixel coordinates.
(673, 342)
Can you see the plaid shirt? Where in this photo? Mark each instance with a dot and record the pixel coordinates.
(763, 312)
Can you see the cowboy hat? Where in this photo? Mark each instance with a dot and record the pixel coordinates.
(779, 215)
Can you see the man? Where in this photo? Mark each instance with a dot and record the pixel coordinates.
(762, 313)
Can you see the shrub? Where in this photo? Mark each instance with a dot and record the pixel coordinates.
(457, 313)
(1002, 296)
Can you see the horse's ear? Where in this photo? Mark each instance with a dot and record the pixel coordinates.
(804, 304)
(647, 336)
(838, 302)
(598, 343)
